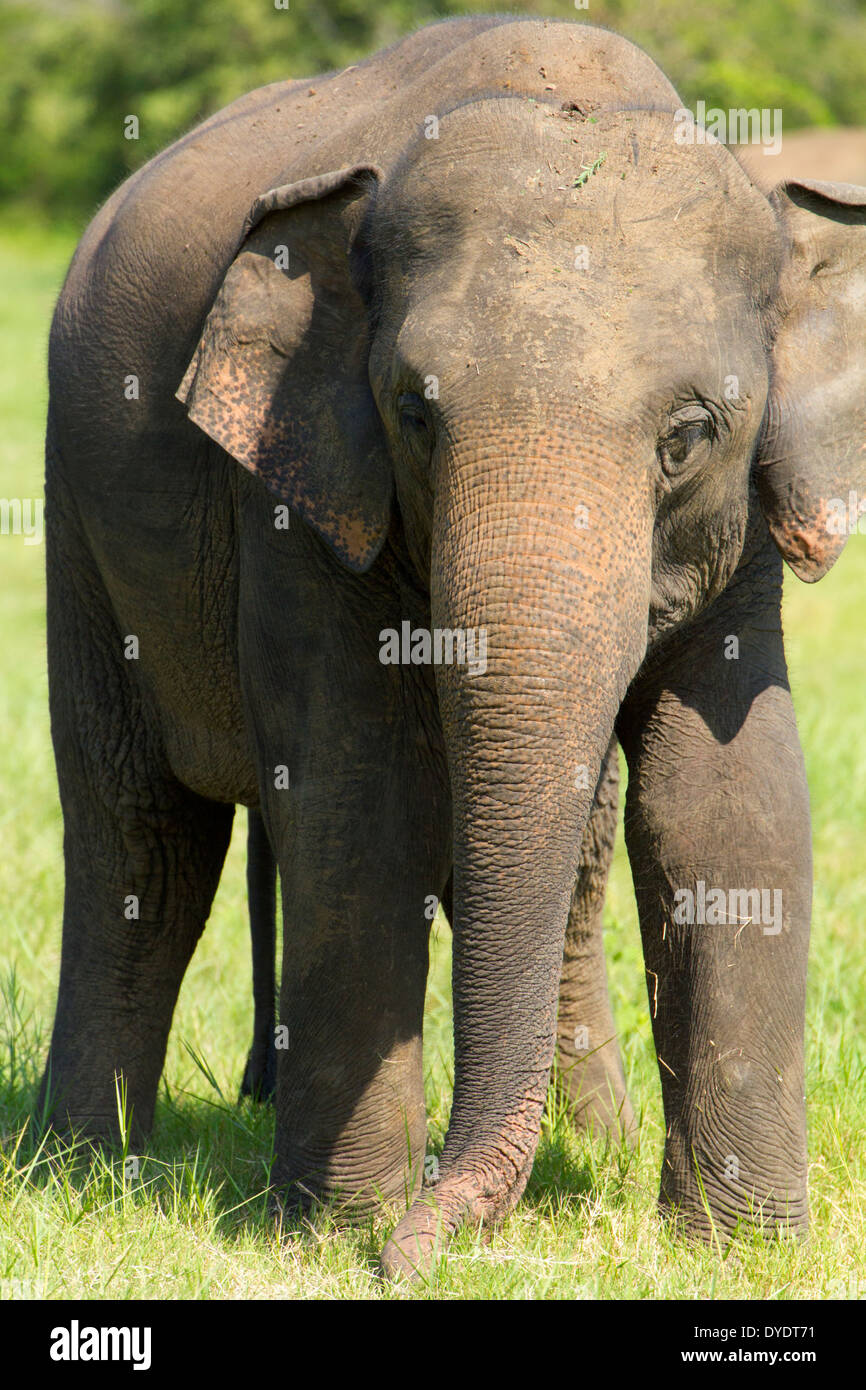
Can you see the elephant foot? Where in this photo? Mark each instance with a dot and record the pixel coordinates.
(712, 1197)
(260, 1075)
(351, 1198)
(102, 1116)
(598, 1101)
(706, 1224)
(87, 1129)
(604, 1111)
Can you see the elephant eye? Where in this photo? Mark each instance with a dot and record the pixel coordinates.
(414, 419)
(688, 428)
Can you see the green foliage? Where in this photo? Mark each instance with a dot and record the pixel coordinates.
(78, 69)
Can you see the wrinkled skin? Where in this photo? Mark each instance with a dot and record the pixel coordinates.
(619, 453)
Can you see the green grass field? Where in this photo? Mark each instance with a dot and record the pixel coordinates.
(193, 1223)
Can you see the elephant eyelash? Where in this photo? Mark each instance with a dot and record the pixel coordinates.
(415, 424)
(410, 406)
(675, 448)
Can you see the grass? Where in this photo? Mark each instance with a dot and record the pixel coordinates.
(189, 1220)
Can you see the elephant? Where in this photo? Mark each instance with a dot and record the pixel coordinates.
(418, 436)
(260, 1074)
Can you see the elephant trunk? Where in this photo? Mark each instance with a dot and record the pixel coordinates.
(536, 558)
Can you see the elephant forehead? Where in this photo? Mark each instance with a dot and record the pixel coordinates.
(537, 174)
(521, 306)
(526, 153)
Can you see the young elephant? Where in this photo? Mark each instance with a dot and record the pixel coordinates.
(530, 398)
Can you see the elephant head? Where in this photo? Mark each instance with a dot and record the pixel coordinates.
(548, 352)
(812, 454)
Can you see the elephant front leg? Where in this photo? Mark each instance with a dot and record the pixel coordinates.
(717, 827)
(588, 1055)
(358, 874)
(360, 824)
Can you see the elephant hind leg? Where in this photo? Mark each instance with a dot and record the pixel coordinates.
(143, 856)
(588, 1056)
(260, 1075)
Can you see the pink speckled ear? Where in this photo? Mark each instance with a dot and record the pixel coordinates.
(279, 377)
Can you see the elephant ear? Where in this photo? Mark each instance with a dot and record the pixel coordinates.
(811, 462)
(279, 378)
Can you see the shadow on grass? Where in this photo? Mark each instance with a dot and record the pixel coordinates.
(209, 1158)
(572, 1168)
